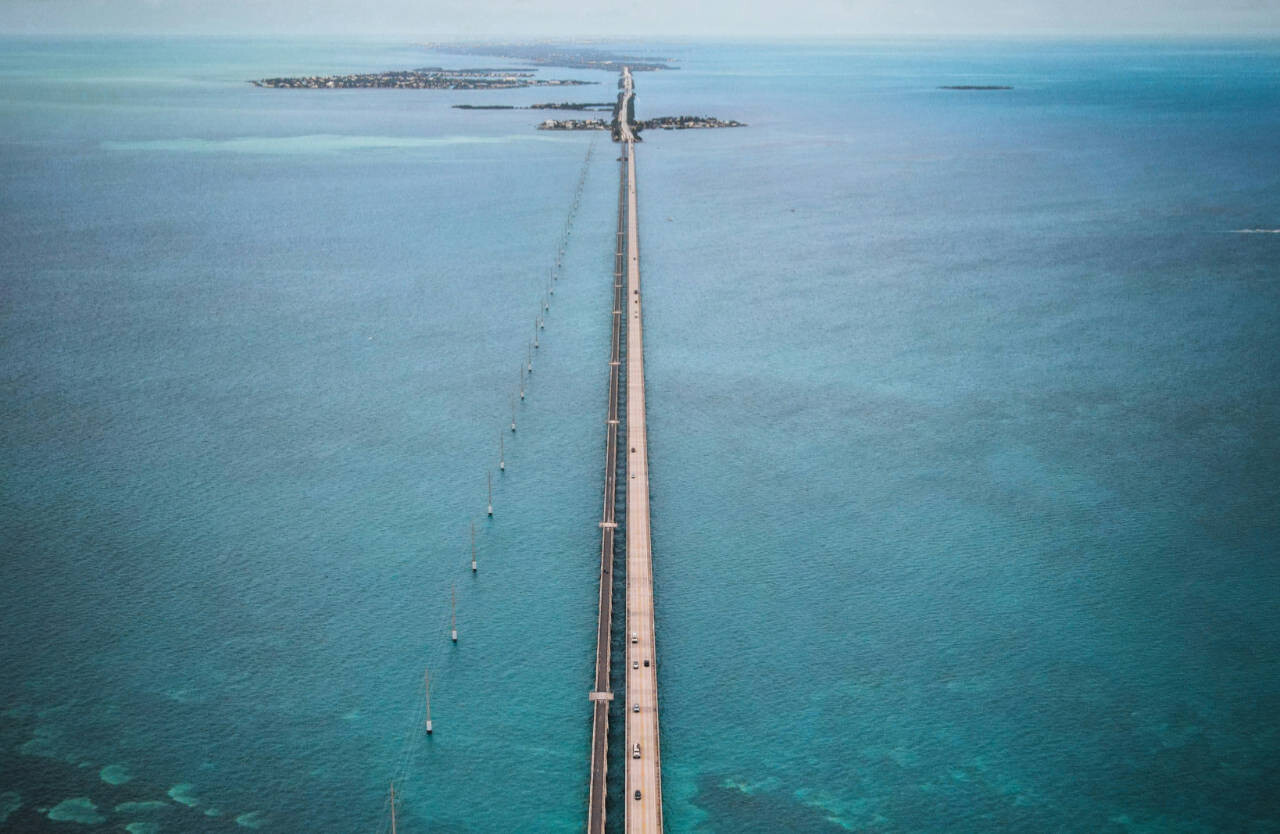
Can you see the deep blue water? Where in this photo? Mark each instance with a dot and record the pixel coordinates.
(963, 416)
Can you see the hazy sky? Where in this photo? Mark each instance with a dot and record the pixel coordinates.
(698, 18)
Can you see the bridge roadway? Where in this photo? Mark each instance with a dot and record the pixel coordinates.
(643, 774)
(627, 135)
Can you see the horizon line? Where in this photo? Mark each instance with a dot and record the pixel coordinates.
(498, 39)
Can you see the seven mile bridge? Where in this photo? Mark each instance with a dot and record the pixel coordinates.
(643, 779)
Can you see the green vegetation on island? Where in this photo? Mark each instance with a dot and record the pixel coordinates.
(575, 124)
(686, 123)
(661, 123)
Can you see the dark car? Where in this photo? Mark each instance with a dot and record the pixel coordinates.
(637, 794)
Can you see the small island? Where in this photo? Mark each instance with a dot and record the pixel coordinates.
(569, 105)
(661, 123)
(686, 123)
(576, 124)
(426, 78)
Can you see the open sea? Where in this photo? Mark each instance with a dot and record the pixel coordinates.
(964, 416)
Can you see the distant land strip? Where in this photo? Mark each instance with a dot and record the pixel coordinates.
(562, 105)
(975, 87)
(427, 78)
(551, 55)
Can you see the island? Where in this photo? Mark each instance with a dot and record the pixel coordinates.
(576, 124)
(661, 123)
(491, 78)
(569, 105)
(427, 78)
(685, 123)
(552, 55)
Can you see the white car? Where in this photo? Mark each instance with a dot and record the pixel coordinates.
(635, 751)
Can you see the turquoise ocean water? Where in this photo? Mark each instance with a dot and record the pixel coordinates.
(963, 419)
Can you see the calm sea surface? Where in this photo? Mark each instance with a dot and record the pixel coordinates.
(964, 420)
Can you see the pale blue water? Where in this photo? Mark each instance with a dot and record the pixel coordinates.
(963, 415)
